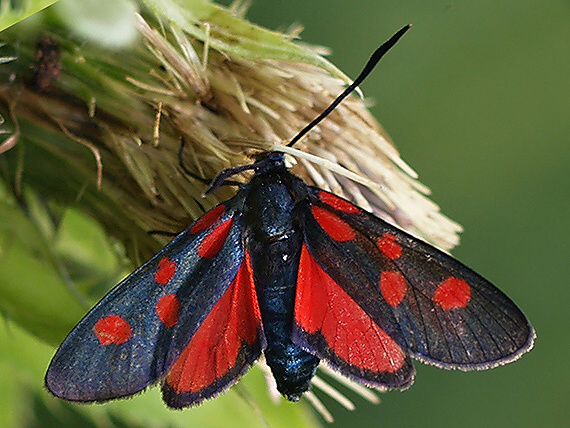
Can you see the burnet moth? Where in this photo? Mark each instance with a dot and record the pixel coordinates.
(300, 275)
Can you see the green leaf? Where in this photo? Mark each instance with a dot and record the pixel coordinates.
(46, 273)
(13, 12)
(31, 290)
(24, 359)
(232, 34)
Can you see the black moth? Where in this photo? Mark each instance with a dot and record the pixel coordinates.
(300, 275)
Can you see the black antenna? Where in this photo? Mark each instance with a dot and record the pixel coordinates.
(376, 56)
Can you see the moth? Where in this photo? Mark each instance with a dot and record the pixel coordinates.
(297, 274)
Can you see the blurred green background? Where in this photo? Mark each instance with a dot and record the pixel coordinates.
(477, 99)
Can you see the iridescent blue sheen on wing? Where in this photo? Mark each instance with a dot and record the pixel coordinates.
(87, 367)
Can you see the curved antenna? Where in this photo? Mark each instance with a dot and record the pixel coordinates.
(376, 56)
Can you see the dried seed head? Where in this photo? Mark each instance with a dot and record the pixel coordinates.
(114, 120)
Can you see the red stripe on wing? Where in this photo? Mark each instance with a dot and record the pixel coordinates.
(214, 241)
(322, 306)
(227, 342)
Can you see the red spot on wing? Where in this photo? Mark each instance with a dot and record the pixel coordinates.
(389, 247)
(167, 309)
(166, 270)
(214, 348)
(208, 219)
(334, 226)
(452, 293)
(337, 203)
(393, 287)
(213, 242)
(112, 329)
(322, 306)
